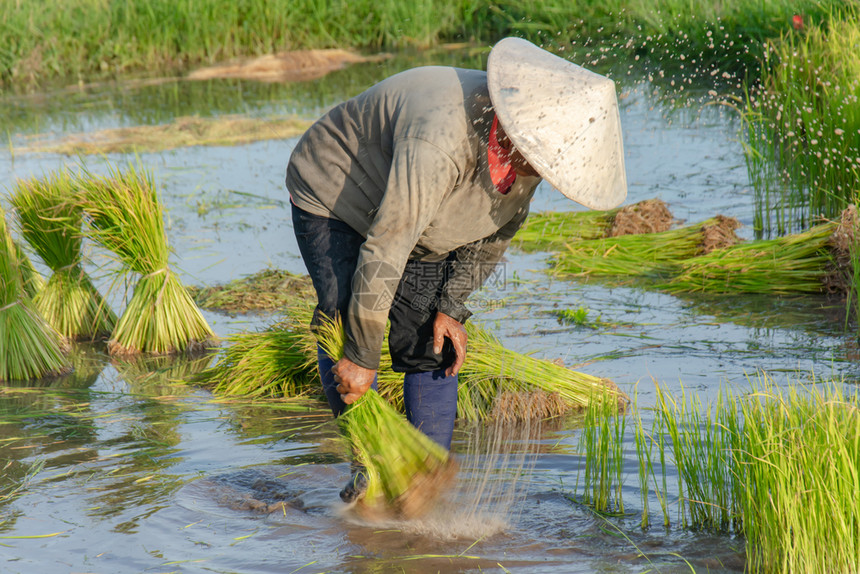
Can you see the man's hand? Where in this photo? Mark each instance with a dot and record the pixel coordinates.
(353, 380)
(450, 328)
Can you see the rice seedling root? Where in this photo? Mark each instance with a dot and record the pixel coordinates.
(648, 216)
(719, 234)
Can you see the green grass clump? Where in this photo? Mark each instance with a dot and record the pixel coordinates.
(125, 217)
(552, 230)
(778, 465)
(405, 468)
(29, 347)
(495, 382)
(267, 290)
(803, 119)
(650, 254)
(50, 219)
(797, 263)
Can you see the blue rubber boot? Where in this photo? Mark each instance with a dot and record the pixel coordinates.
(431, 404)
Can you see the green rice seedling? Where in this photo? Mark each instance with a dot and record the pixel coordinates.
(29, 347)
(651, 254)
(31, 281)
(801, 464)
(797, 263)
(602, 441)
(495, 382)
(550, 231)
(491, 369)
(405, 468)
(50, 220)
(125, 217)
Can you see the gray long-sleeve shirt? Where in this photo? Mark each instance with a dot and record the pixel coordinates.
(405, 165)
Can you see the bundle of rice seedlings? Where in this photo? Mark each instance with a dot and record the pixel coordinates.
(549, 231)
(497, 382)
(29, 347)
(279, 362)
(50, 221)
(31, 281)
(644, 254)
(792, 264)
(125, 217)
(405, 469)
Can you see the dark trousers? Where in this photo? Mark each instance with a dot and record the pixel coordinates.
(330, 250)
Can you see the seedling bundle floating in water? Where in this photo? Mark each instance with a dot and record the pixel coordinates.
(650, 254)
(125, 217)
(50, 221)
(29, 347)
(554, 229)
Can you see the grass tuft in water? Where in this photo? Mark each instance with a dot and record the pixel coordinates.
(50, 219)
(803, 123)
(125, 217)
(779, 465)
(267, 290)
(280, 362)
(29, 347)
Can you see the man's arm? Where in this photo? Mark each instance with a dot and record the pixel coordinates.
(420, 176)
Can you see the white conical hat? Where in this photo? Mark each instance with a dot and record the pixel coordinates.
(562, 118)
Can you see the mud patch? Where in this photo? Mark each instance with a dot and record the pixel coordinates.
(182, 132)
(267, 290)
(649, 216)
(296, 66)
(719, 235)
(255, 491)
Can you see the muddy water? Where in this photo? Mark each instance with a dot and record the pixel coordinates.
(118, 469)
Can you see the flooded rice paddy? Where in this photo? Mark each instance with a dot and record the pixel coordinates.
(118, 468)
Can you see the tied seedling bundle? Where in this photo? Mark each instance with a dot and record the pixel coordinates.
(796, 263)
(497, 383)
(50, 221)
(553, 230)
(31, 281)
(125, 217)
(405, 469)
(494, 383)
(29, 347)
(645, 254)
(281, 361)
(278, 362)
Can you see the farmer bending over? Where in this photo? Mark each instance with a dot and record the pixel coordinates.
(405, 197)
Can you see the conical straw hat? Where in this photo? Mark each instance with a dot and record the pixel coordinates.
(562, 118)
